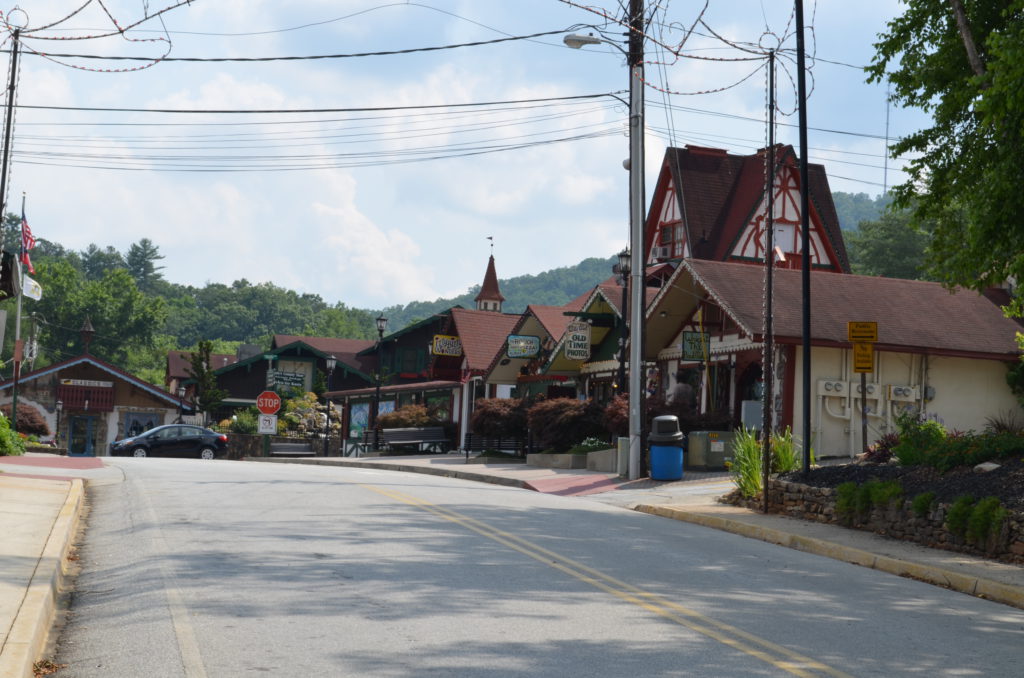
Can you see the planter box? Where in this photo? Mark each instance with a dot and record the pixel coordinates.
(604, 461)
(557, 460)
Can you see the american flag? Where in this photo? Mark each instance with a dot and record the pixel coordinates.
(27, 243)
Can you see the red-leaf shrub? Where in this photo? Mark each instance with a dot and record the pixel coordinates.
(616, 416)
(30, 420)
(560, 423)
(406, 416)
(499, 418)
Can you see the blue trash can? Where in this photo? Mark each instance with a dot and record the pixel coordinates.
(666, 448)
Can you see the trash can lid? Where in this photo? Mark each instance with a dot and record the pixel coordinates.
(665, 425)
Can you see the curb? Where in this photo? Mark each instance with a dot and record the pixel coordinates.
(974, 586)
(445, 473)
(27, 638)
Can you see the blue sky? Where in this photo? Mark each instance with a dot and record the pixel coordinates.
(382, 207)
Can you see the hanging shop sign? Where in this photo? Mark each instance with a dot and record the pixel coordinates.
(444, 344)
(280, 379)
(577, 342)
(694, 345)
(86, 382)
(522, 346)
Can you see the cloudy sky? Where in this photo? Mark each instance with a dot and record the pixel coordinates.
(385, 188)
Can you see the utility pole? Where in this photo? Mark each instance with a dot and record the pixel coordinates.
(805, 226)
(637, 248)
(8, 123)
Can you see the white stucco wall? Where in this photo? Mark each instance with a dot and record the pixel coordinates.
(959, 392)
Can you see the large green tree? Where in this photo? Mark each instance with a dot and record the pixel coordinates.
(962, 62)
(141, 261)
(891, 246)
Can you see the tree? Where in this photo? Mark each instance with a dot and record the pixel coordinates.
(208, 397)
(964, 65)
(96, 262)
(141, 262)
(891, 246)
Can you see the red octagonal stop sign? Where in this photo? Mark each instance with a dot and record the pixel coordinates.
(268, 402)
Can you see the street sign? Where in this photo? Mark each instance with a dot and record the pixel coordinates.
(862, 332)
(863, 358)
(267, 424)
(268, 402)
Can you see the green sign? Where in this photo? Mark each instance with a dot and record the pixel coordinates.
(695, 345)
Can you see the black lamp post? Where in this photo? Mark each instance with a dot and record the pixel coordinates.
(181, 402)
(382, 324)
(622, 268)
(59, 405)
(331, 362)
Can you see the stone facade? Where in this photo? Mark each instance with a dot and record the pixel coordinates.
(898, 521)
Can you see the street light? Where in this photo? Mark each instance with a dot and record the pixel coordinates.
(382, 324)
(622, 268)
(59, 405)
(331, 362)
(181, 402)
(637, 205)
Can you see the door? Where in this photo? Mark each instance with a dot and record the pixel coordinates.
(82, 436)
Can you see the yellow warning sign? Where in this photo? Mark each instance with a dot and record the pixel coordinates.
(862, 331)
(863, 358)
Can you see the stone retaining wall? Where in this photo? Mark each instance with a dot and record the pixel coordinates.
(898, 521)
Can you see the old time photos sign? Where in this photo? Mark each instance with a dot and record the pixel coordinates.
(577, 342)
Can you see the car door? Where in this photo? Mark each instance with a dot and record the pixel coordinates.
(162, 441)
(189, 440)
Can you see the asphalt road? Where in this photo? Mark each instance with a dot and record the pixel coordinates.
(216, 568)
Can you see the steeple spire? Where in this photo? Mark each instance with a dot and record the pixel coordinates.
(489, 298)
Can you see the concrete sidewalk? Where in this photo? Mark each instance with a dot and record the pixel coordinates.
(38, 518)
(41, 497)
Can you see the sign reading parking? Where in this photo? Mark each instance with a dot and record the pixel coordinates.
(268, 402)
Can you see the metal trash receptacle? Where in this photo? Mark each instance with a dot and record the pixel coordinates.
(666, 448)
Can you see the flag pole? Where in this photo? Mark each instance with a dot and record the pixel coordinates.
(18, 346)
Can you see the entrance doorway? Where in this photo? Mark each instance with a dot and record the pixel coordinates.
(82, 436)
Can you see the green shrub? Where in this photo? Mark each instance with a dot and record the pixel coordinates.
(846, 495)
(746, 462)
(245, 421)
(922, 504)
(985, 520)
(882, 493)
(11, 444)
(918, 439)
(958, 515)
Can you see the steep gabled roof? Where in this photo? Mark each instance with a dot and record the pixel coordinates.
(718, 193)
(482, 333)
(179, 363)
(87, 359)
(345, 350)
(489, 290)
(911, 314)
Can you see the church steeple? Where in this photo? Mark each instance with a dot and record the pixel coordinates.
(490, 297)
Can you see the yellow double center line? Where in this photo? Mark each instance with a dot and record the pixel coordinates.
(765, 650)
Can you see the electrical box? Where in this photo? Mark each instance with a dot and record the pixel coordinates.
(833, 387)
(904, 393)
(709, 449)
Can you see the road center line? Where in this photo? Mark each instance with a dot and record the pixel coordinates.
(769, 652)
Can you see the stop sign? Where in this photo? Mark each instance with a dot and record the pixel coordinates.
(268, 402)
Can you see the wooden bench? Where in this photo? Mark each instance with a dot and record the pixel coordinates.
(425, 438)
(478, 443)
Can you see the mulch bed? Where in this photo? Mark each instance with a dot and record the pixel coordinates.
(1005, 482)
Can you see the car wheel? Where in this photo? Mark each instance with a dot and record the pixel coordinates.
(207, 453)
(139, 452)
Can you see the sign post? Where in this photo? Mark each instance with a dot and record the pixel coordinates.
(268, 403)
(863, 335)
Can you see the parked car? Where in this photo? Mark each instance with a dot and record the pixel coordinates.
(172, 440)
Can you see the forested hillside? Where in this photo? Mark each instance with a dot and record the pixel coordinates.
(138, 316)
